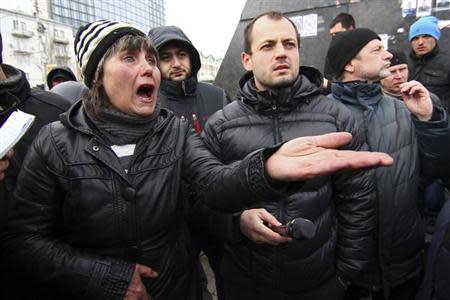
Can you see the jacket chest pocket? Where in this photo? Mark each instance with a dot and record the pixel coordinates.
(89, 202)
(434, 78)
(153, 161)
(87, 170)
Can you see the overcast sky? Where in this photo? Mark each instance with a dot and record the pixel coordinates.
(209, 24)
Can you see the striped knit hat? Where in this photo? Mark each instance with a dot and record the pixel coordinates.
(93, 40)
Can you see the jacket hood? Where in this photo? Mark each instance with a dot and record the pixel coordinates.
(62, 71)
(162, 35)
(181, 89)
(308, 83)
(71, 90)
(13, 90)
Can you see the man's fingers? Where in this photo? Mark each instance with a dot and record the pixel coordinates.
(9, 154)
(415, 89)
(145, 271)
(4, 163)
(266, 217)
(345, 160)
(332, 140)
(267, 235)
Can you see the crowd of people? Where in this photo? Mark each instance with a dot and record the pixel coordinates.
(300, 187)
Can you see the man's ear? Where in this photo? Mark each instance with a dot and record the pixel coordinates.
(246, 60)
(350, 67)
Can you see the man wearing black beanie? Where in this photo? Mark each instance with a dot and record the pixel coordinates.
(409, 130)
(399, 75)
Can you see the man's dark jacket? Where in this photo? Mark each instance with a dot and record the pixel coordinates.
(79, 222)
(433, 71)
(436, 282)
(262, 119)
(390, 128)
(15, 93)
(190, 99)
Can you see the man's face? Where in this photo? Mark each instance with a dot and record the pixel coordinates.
(275, 59)
(338, 28)
(174, 63)
(371, 63)
(399, 75)
(423, 44)
(57, 80)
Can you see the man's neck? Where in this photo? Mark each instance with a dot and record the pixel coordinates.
(392, 94)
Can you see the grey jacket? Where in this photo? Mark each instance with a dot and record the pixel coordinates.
(390, 128)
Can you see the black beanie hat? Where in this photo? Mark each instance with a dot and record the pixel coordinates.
(346, 45)
(398, 57)
(94, 39)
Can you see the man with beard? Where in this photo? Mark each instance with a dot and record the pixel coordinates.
(278, 101)
(415, 133)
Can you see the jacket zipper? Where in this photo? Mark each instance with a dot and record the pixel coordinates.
(277, 139)
(183, 86)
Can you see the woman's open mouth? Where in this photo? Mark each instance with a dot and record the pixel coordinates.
(145, 91)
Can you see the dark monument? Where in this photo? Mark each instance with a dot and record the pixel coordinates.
(390, 17)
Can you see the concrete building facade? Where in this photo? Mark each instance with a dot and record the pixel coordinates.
(35, 45)
(38, 34)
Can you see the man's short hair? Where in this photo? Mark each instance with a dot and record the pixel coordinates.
(345, 19)
(273, 15)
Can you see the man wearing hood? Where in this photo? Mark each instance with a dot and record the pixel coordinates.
(59, 75)
(179, 63)
(415, 133)
(180, 91)
(277, 101)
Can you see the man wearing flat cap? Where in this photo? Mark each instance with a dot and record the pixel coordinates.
(403, 129)
(427, 63)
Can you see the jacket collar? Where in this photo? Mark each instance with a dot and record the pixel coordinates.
(306, 84)
(357, 93)
(184, 88)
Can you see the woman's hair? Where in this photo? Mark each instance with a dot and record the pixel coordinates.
(96, 96)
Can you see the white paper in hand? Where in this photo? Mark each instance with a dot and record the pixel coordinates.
(13, 130)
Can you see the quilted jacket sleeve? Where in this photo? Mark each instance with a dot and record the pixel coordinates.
(434, 143)
(355, 196)
(229, 188)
